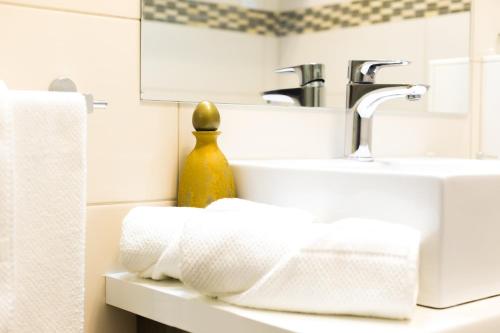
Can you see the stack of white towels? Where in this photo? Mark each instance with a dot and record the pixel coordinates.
(268, 257)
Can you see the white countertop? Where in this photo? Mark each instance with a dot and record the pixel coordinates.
(171, 303)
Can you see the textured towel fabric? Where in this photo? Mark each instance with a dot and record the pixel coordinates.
(267, 257)
(151, 235)
(353, 267)
(150, 239)
(240, 247)
(275, 213)
(48, 204)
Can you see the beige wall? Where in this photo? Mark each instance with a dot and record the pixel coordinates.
(253, 132)
(133, 145)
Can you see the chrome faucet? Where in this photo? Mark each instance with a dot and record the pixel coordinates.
(363, 98)
(311, 90)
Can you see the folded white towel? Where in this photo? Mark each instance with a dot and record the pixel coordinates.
(275, 258)
(45, 197)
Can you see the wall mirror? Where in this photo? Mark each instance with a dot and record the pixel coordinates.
(228, 51)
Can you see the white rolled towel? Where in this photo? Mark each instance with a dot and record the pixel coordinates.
(240, 248)
(353, 267)
(150, 235)
(267, 257)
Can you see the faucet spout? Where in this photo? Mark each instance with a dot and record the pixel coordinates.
(309, 96)
(363, 98)
(367, 104)
(362, 101)
(311, 90)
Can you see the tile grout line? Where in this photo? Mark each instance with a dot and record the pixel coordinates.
(178, 147)
(111, 203)
(64, 10)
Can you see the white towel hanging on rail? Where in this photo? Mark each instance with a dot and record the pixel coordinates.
(6, 212)
(43, 188)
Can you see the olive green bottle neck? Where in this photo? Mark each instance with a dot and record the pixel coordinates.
(205, 138)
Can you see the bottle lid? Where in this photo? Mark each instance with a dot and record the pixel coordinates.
(206, 117)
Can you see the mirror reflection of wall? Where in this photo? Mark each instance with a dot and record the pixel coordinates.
(227, 50)
(486, 79)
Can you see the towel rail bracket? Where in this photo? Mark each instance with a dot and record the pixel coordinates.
(68, 85)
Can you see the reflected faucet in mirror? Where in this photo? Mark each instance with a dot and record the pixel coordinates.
(363, 98)
(311, 90)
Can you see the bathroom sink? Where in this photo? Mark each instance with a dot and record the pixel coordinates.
(454, 203)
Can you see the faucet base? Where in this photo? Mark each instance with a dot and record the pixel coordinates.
(363, 154)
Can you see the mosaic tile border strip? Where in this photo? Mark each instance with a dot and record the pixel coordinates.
(211, 15)
(304, 20)
(364, 12)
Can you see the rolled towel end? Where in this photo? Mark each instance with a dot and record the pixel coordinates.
(147, 232)
(352, 267)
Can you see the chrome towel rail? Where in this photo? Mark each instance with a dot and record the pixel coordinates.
(68, 85)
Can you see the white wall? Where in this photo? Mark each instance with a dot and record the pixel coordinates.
(258, 132)
(220, 65)
(485, 85)
(132, 146)
(490, 106)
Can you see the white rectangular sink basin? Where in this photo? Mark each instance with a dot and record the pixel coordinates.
(454, 203)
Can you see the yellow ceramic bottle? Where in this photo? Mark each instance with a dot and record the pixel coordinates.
(206, 175)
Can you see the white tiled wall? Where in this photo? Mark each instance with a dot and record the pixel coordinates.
(132, 145)
(113, 8)
(490, 105)
(101, 54)
(416, 134)
(103, 235)
(256, 132)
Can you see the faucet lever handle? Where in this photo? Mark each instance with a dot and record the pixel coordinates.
(308, 72)
(363, 71)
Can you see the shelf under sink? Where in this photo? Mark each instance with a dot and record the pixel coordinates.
(171, 303)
